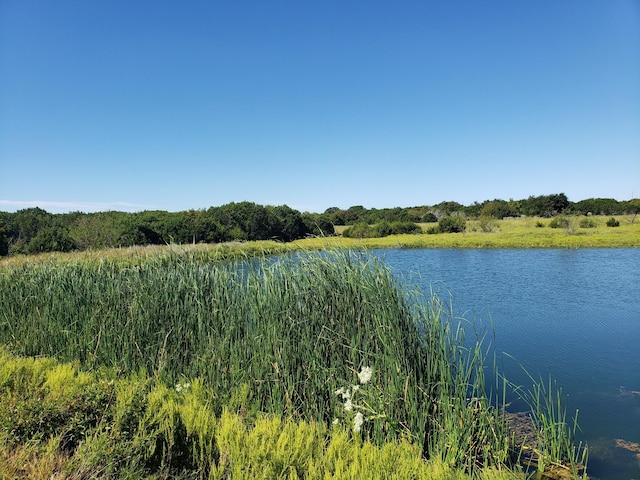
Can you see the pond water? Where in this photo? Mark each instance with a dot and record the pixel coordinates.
(572, 315)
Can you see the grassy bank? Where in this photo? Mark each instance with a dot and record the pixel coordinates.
(323, 340)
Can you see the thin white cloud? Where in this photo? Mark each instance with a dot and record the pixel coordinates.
(65, 207)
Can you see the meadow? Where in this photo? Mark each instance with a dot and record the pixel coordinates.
(220, 361)
(523, 232)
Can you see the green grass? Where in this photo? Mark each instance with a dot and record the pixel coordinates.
(514, 233)
(262, 336)
(59, 422)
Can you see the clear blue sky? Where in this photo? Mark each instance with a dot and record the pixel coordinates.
(133, 105)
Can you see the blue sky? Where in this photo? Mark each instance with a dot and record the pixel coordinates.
(134, 105)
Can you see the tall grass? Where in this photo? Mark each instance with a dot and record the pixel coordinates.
(59, 422)
(272, 335)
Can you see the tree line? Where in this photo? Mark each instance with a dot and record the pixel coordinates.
(546, 206)
(35, 230)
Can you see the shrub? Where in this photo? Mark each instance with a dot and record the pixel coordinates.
(382, 229)
(588, 223)
(539, 224)
(487, 224)
(452, 224)
(359, 230)
(612, 222)
(429, 217)
(560, 222)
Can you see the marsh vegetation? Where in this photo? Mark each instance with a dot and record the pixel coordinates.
(273, 345)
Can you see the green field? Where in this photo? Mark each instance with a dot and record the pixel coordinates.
(523, 232)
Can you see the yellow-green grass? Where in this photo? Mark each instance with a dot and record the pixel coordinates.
(510, 233)
(57, 421)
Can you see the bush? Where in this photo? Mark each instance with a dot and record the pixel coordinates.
(382, 229)
(539, 224)
(452, 224)
(588, 223)
(612, 222)
(560, 222)
(359, 230)
(487, 224)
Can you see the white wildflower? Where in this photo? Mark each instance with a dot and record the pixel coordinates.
(340, 391)
(346, 395)
(348, 406)
(358, 420)
(182, 386)
(365, 375)
(335, 421)
(355, 388)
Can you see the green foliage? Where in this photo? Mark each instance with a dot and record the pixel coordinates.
(499, 209)
(452, 224)
(561, 221)
(487, 224)
(51, 239)
(382, 229)
(4, 242)
(180, 433)
(612, 222)
(545, 205)
(555, 433)
(248, 221)
(277, 336)
(588, 223)
(319, 225)
(600, 206)
(35, 230)
(429, 217)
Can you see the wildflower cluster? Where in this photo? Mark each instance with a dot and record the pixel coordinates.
(182, 386)
(347, 394)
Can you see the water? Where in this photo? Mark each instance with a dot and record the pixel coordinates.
(573, 315)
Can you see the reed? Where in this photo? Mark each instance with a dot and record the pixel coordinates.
(555, 432)
(273, 335)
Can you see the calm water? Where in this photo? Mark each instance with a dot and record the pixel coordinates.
(571, 314)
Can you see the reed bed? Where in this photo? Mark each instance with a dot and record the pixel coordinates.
(289, 336)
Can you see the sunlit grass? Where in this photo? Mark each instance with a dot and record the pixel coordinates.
(275, 336)
(510, 233)
(138, 427)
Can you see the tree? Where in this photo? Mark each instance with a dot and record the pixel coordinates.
(545, 205)
(51, 239)
(291, 225)
(318, 224)
(4, 242)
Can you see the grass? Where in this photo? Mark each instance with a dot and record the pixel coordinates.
(261, 336)
(104, 426)
(515, 233)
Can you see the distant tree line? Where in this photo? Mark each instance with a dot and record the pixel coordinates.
(541, 206)
(34, 230)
